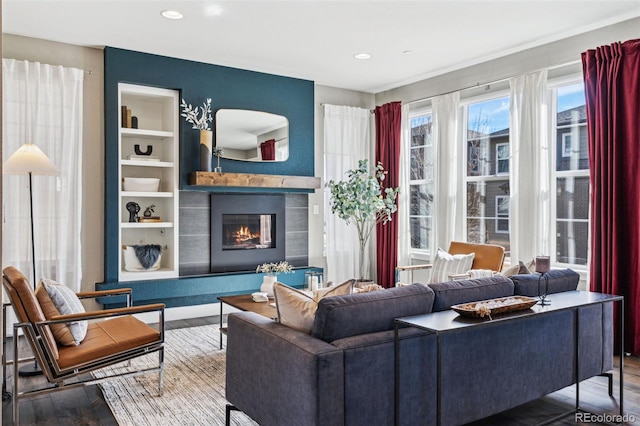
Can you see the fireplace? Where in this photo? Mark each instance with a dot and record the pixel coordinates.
(246, 230)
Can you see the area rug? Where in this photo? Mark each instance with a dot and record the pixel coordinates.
(194, 380)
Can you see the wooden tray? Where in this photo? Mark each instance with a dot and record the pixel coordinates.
(495, 306)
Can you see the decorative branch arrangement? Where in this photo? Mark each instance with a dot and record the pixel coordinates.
(362, 201)
(198, 117)
(275, 268)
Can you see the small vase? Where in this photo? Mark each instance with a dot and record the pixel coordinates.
(267, 284)
(206, 145)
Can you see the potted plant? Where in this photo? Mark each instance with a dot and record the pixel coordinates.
(271, 271)
(362, 201)
(199, 118)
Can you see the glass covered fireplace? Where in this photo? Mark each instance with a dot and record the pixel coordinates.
(246, 230)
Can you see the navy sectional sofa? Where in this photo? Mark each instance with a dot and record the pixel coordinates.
(343, 373)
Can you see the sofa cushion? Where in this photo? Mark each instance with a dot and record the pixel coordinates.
(297, 310)
(452, 293)
(343, 316)
(559, 280)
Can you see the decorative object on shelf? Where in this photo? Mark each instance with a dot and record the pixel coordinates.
(313, 280)
(133, 208)
(138, 151)
(361, 200)
(271, 271)
(126, 118)
(494, 306)
(199, 118)
(217, 151)
(134, 122)
(141, 184)
(30, 160)
(149, 210)
(543, 265)
(138, 258)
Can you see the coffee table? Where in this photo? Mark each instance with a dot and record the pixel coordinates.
(244, 302)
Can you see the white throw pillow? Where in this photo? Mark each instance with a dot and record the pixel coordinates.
(447, 264)
(66, 302)
(296, 309)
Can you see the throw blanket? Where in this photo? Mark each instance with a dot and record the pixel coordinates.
(480, 273)
(147, 254)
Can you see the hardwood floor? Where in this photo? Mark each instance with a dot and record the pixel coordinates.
(86, 405)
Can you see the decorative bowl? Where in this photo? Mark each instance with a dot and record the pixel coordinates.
(141, 184)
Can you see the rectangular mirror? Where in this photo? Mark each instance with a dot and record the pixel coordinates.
(252, 135)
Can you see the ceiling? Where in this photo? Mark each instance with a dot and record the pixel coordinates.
(316, 40)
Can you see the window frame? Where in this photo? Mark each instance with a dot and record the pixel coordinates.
(501, 217)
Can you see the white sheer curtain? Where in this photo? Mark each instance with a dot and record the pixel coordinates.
(346, 140)
(529, 181)
(404, 198)
(449, 170)
(42, 104)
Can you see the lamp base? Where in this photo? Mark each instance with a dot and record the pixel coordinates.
(544, 302)
(30, 370)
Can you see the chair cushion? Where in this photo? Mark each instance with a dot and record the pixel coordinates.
(447, 264)
(58, 299)
(452, 293)
(359, 313)
(106, 338)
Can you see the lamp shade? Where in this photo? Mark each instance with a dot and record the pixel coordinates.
(29, 159)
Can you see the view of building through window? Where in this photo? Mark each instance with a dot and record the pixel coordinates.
(421, 182)
(487, 142)
(571, 175)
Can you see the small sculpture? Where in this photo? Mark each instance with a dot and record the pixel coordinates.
(149, 210)
(133, 209)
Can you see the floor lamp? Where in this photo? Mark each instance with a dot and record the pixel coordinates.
(30, 160)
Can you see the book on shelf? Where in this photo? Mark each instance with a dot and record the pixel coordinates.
(125, 117)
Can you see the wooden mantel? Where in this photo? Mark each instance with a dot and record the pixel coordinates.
(253, 180)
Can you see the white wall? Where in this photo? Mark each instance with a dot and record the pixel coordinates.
(560, 52)
(48, 52)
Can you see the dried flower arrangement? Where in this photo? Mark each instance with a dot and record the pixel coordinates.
(199, 117)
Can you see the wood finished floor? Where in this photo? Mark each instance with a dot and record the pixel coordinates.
(86, 405)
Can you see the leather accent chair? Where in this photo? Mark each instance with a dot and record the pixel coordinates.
(114, 336)
(487, 256)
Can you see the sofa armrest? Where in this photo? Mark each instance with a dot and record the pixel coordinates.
(278, 375)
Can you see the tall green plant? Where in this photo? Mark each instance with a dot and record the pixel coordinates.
(362, 201)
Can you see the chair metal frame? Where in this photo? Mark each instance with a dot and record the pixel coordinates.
(58, 377)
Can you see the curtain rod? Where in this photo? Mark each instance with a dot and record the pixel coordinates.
(552, 67)
(372, 111)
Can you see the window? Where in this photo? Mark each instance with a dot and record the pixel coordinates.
(502, 158)
(502, 214)
(571, 175)
(487, 180)
(421, 185)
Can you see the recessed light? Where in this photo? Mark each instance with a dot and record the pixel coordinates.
(172, 14)
(362, 56)
(407, 52)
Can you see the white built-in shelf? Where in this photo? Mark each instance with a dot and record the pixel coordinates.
(147, 275)
(147, 194)
(145, 133)
(147, 224)
(146, 163)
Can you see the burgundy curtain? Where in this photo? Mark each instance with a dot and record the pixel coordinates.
(612, 88)
(268, 149)
(388, 120)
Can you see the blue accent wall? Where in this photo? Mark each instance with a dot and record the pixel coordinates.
(228, 88)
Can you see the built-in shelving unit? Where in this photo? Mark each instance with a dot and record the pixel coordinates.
(156, 111)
